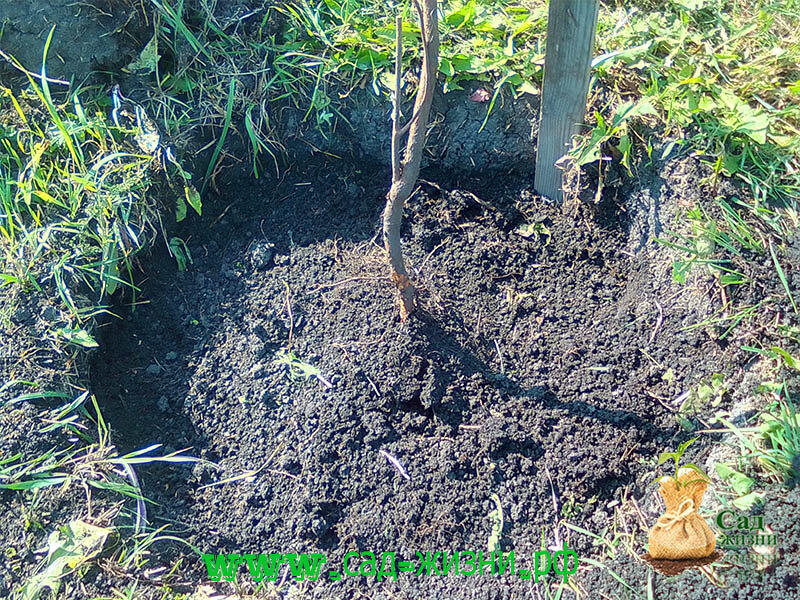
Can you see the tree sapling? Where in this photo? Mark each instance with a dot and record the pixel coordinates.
(405, 170)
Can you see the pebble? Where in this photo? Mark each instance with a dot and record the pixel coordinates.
(261, 254)
(153, 369)
(172, 355)
(163, 404)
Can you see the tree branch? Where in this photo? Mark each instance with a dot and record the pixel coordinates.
(398, 76)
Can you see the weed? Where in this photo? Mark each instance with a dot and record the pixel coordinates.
(496, 519)
(572, 508)
(298, 369)
(708, 393)
(180, 251)
(774, 444)
(74, 199)
(93, 464)
(589, 149)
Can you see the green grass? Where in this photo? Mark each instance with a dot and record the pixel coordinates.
(311, 54)
(78, 202)
(724, 80)
(91, 464)
(722, 74)
(73, 196)
(773, 443)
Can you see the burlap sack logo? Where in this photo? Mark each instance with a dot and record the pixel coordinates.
(681, 538)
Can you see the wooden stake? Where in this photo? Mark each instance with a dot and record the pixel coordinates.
(570, 42)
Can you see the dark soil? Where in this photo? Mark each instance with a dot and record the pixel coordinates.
(465, 135)
(527, 374)
(89, 36)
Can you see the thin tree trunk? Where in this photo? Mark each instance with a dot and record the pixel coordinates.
(406, 171)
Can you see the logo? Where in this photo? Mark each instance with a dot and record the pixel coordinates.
(681, 538)
(749, 542)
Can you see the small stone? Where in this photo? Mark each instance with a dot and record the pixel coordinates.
(318, 526)
(163, 404)
(153, 369)
(49, 314)
(172, 355)
(258, 370)
(261, 254)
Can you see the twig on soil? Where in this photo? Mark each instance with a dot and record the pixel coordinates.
(430, 254)
(246, 475)
(642, 519)
(141, 507)
(291, 316)
(223, 213)
(374, 387)
(396, 464)
(661, 401)
(658, 322)
(14, 63)
(500, 355)
(278, 472)
(555, 505)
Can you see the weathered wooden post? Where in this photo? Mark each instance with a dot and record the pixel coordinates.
(571, 27)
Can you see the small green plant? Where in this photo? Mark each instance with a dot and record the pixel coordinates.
(298, 369)
(496, 519)
(709, 392)
(180, 251)
(571, 508)
(741, 486)
(590, 149)
(676, 457)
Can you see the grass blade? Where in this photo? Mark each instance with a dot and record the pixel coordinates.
(782, 276)
(223, 135)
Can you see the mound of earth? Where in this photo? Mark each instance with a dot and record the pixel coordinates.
(530, 372)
